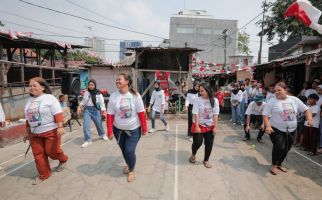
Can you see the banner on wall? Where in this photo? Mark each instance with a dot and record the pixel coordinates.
(84, 79)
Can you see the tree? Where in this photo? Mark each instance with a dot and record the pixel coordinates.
(277, 27)
(1, 24)
(243, 42)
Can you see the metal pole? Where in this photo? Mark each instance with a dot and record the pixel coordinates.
(259, 61)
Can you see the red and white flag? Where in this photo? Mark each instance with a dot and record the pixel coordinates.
(305, 12)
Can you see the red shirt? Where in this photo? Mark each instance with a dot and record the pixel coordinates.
(220, 97)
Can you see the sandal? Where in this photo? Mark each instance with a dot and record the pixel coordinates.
(125, 170)
(283, 169)
(192, 159)
(273, 171)
(207, 164)
(311, 154)
(260, 141)
(130, 176)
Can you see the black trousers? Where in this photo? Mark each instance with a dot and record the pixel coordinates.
(189, 119)
(258, 119)
(198, 138)
(282, 143)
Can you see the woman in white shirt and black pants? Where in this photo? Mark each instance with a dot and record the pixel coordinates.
(93, 104)
(157, 103)
(205, 122)
(126, 120)
(281, 122)
(192, 95)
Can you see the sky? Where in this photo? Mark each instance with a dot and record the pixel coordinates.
(146, 16)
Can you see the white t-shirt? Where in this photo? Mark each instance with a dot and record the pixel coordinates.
(125, 108)
(202, 108)
(308, 92)
(2, 115)
(245, 96)
(269, 96)
(316, 119)
(191, 97)
(252, 92)
(283, 112)
(157, 99)
(254, 109)
(236, 97)
(40, 113)
(87, 100)
(319, 102)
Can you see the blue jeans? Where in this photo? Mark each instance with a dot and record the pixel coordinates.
(91, 113)
(161, 118)
(235, 113)
(127, 141)
(241, 114)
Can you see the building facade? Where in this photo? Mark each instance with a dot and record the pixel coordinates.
(97, 45)
(197, 29)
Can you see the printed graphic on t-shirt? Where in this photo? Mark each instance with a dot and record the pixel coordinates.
(33, 114)
(125, 108)
(206, 112)
(288, 113)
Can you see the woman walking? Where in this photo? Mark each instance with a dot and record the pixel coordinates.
(44, 128)
(94, 107)
(205, 121)
(126, 121)
(192, 95)
(280, 122)
(157, 103)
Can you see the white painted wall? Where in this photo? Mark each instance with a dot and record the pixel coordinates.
(105, 77)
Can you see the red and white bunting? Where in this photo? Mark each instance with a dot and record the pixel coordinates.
(12, 35)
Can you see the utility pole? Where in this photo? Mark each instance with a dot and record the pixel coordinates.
(259, 61)
(225, 46)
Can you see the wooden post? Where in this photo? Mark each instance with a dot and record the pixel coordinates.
(21, 54)
(65, 58)
(1, 51)
(22, 73)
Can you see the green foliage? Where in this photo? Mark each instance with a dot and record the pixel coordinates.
(277, 27)
(1, 24)
(243, 42)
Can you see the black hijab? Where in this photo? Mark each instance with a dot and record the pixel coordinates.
(93, 93)
(159, 88)
(193, 90)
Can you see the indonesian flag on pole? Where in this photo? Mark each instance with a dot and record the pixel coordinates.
(305, 12)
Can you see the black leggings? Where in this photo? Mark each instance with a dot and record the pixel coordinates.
(282, 143)
(197, 142)
(189, 119)
(258, 119)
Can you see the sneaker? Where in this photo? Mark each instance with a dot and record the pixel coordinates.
(86, 144)
(234, 123)
(104, 137)
(37, 181)
(61, 167)
(246, 139)
(152, 130)
(167, 128)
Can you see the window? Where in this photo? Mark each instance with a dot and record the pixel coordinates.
(206, 31)
(186, 29)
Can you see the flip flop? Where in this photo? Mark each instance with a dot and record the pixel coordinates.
(207, 164)
(283, 169)
(192, 159)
